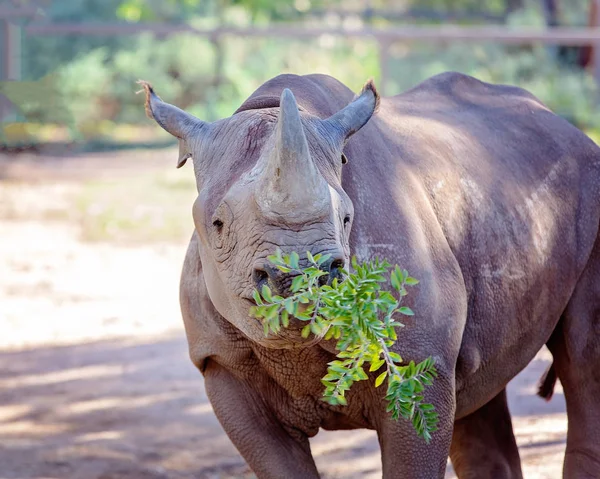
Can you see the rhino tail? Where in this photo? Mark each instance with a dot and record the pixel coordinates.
(547, 383)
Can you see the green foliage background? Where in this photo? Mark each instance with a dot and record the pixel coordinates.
(96, 75)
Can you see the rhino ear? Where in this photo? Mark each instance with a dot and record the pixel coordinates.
(177, 122)
(355, 115)
(184, 153)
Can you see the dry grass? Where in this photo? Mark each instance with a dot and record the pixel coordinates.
(148, 208)
(145, 208)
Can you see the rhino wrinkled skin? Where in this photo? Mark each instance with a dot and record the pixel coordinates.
(478, 190)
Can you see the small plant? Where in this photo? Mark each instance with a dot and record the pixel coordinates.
(360, 316)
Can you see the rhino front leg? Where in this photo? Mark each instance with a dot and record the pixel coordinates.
(252, 426)
(404, 454)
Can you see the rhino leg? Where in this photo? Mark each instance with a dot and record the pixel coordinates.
(575, 346)
(403, 454)
(483, 443)
(269, 449)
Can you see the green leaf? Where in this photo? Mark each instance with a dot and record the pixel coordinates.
(303, 316)
(305, 331)
(303, 298)
(316, 328)
(399, 273)
(294, 260)
(380, 379)
(285, 319)
(411, 281)
(338, 367)
(288, 304)
(266, 293)
(297, 283)
(274, 258)
(322, 258)
(257, 298)
(376, 365)
(272, 311)
(395, 357)
(331, 400)
(406, 311)
(392, 333)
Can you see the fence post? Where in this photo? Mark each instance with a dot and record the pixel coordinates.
(596, 46)
(10, 67)
(384, 61)
(11, 56)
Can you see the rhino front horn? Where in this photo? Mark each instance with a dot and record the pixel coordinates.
(292, 186)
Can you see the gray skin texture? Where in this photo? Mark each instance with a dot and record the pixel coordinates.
(480, 191)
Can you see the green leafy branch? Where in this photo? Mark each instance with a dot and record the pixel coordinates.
(360, 316)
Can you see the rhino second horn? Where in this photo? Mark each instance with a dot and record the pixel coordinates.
(293, 187)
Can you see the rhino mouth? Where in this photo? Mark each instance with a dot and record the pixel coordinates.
(288, 337)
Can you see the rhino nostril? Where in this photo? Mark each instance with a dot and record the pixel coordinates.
(335, 270)
(336, 265)
(260, 278)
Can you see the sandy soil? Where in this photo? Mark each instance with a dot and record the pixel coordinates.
(95, 381)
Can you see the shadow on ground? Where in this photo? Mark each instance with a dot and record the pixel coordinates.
(109, 410)
(122, 409)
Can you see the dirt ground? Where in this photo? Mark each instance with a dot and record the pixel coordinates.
(95, 382)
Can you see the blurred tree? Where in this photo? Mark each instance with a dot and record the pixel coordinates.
(489, 6)
(43, 55)
(211, 76)
(162, 10)
(514, 5)
(180, 10)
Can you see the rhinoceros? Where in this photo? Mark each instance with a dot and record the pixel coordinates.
(480, 191)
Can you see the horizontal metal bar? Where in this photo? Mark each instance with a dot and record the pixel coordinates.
(559, 36)
(108, 29)
(410, 13)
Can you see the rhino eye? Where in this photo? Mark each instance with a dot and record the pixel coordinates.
(218, 224)
(346, 220)
(344, 159)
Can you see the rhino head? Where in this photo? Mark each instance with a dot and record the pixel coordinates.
(267, 178)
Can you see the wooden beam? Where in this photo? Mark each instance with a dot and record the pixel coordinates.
(11, 51)
(442, 33)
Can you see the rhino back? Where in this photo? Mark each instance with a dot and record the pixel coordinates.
(478, 190)
(514, 191)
